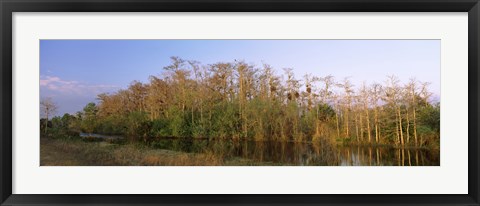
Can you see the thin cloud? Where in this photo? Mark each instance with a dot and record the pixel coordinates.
(57, 85)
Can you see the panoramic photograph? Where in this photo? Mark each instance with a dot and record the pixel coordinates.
(239, 103)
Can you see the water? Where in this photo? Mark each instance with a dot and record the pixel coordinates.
(322, 153)
(388, 156)
(306, 154)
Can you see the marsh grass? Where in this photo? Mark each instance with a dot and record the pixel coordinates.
(77, 152)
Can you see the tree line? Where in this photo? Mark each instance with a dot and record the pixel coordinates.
(238, 100)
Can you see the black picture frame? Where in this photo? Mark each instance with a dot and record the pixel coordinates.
(7, 7)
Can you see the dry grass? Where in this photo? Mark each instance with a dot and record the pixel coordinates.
(57, 152)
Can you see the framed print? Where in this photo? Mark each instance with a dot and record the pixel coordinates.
(264, 102)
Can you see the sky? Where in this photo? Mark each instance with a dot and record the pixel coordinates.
(74, 72)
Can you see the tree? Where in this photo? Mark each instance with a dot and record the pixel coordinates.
(392, 93)
(376, 91)
(365, 95)
(425, 94)
(48, 109)
(292, 88)
(236, 100)
(180, 76)
(328, 97)
(89, 117)
(411, 104)
(413, 87)
(348, 95)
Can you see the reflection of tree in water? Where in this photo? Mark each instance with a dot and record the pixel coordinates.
(323, 152)
(386, 156)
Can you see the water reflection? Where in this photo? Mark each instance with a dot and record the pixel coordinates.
(387, 156)
(294, 153)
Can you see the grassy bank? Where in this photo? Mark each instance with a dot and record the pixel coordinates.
(75, 152)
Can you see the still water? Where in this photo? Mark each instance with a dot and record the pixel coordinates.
(304, 154)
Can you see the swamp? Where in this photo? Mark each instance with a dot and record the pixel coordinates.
(238, 113)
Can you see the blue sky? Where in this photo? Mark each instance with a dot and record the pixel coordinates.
(74, 72)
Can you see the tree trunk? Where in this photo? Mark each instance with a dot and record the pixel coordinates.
(368, 125)
(361, 126)
(46, 124)
(415, 126)
(408, 128)
(396, 128)
(400, 126)
(338, 124)
(346, 123)
(377, 135)
(356, 126)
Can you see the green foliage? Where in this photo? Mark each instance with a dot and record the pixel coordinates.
(178, 125)
(138, 127)
(324, 112)
(89, 121)
(112, 125)
(225, 121)
(59, 127)
(160, 128)
(429, 129)
(429, 116)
